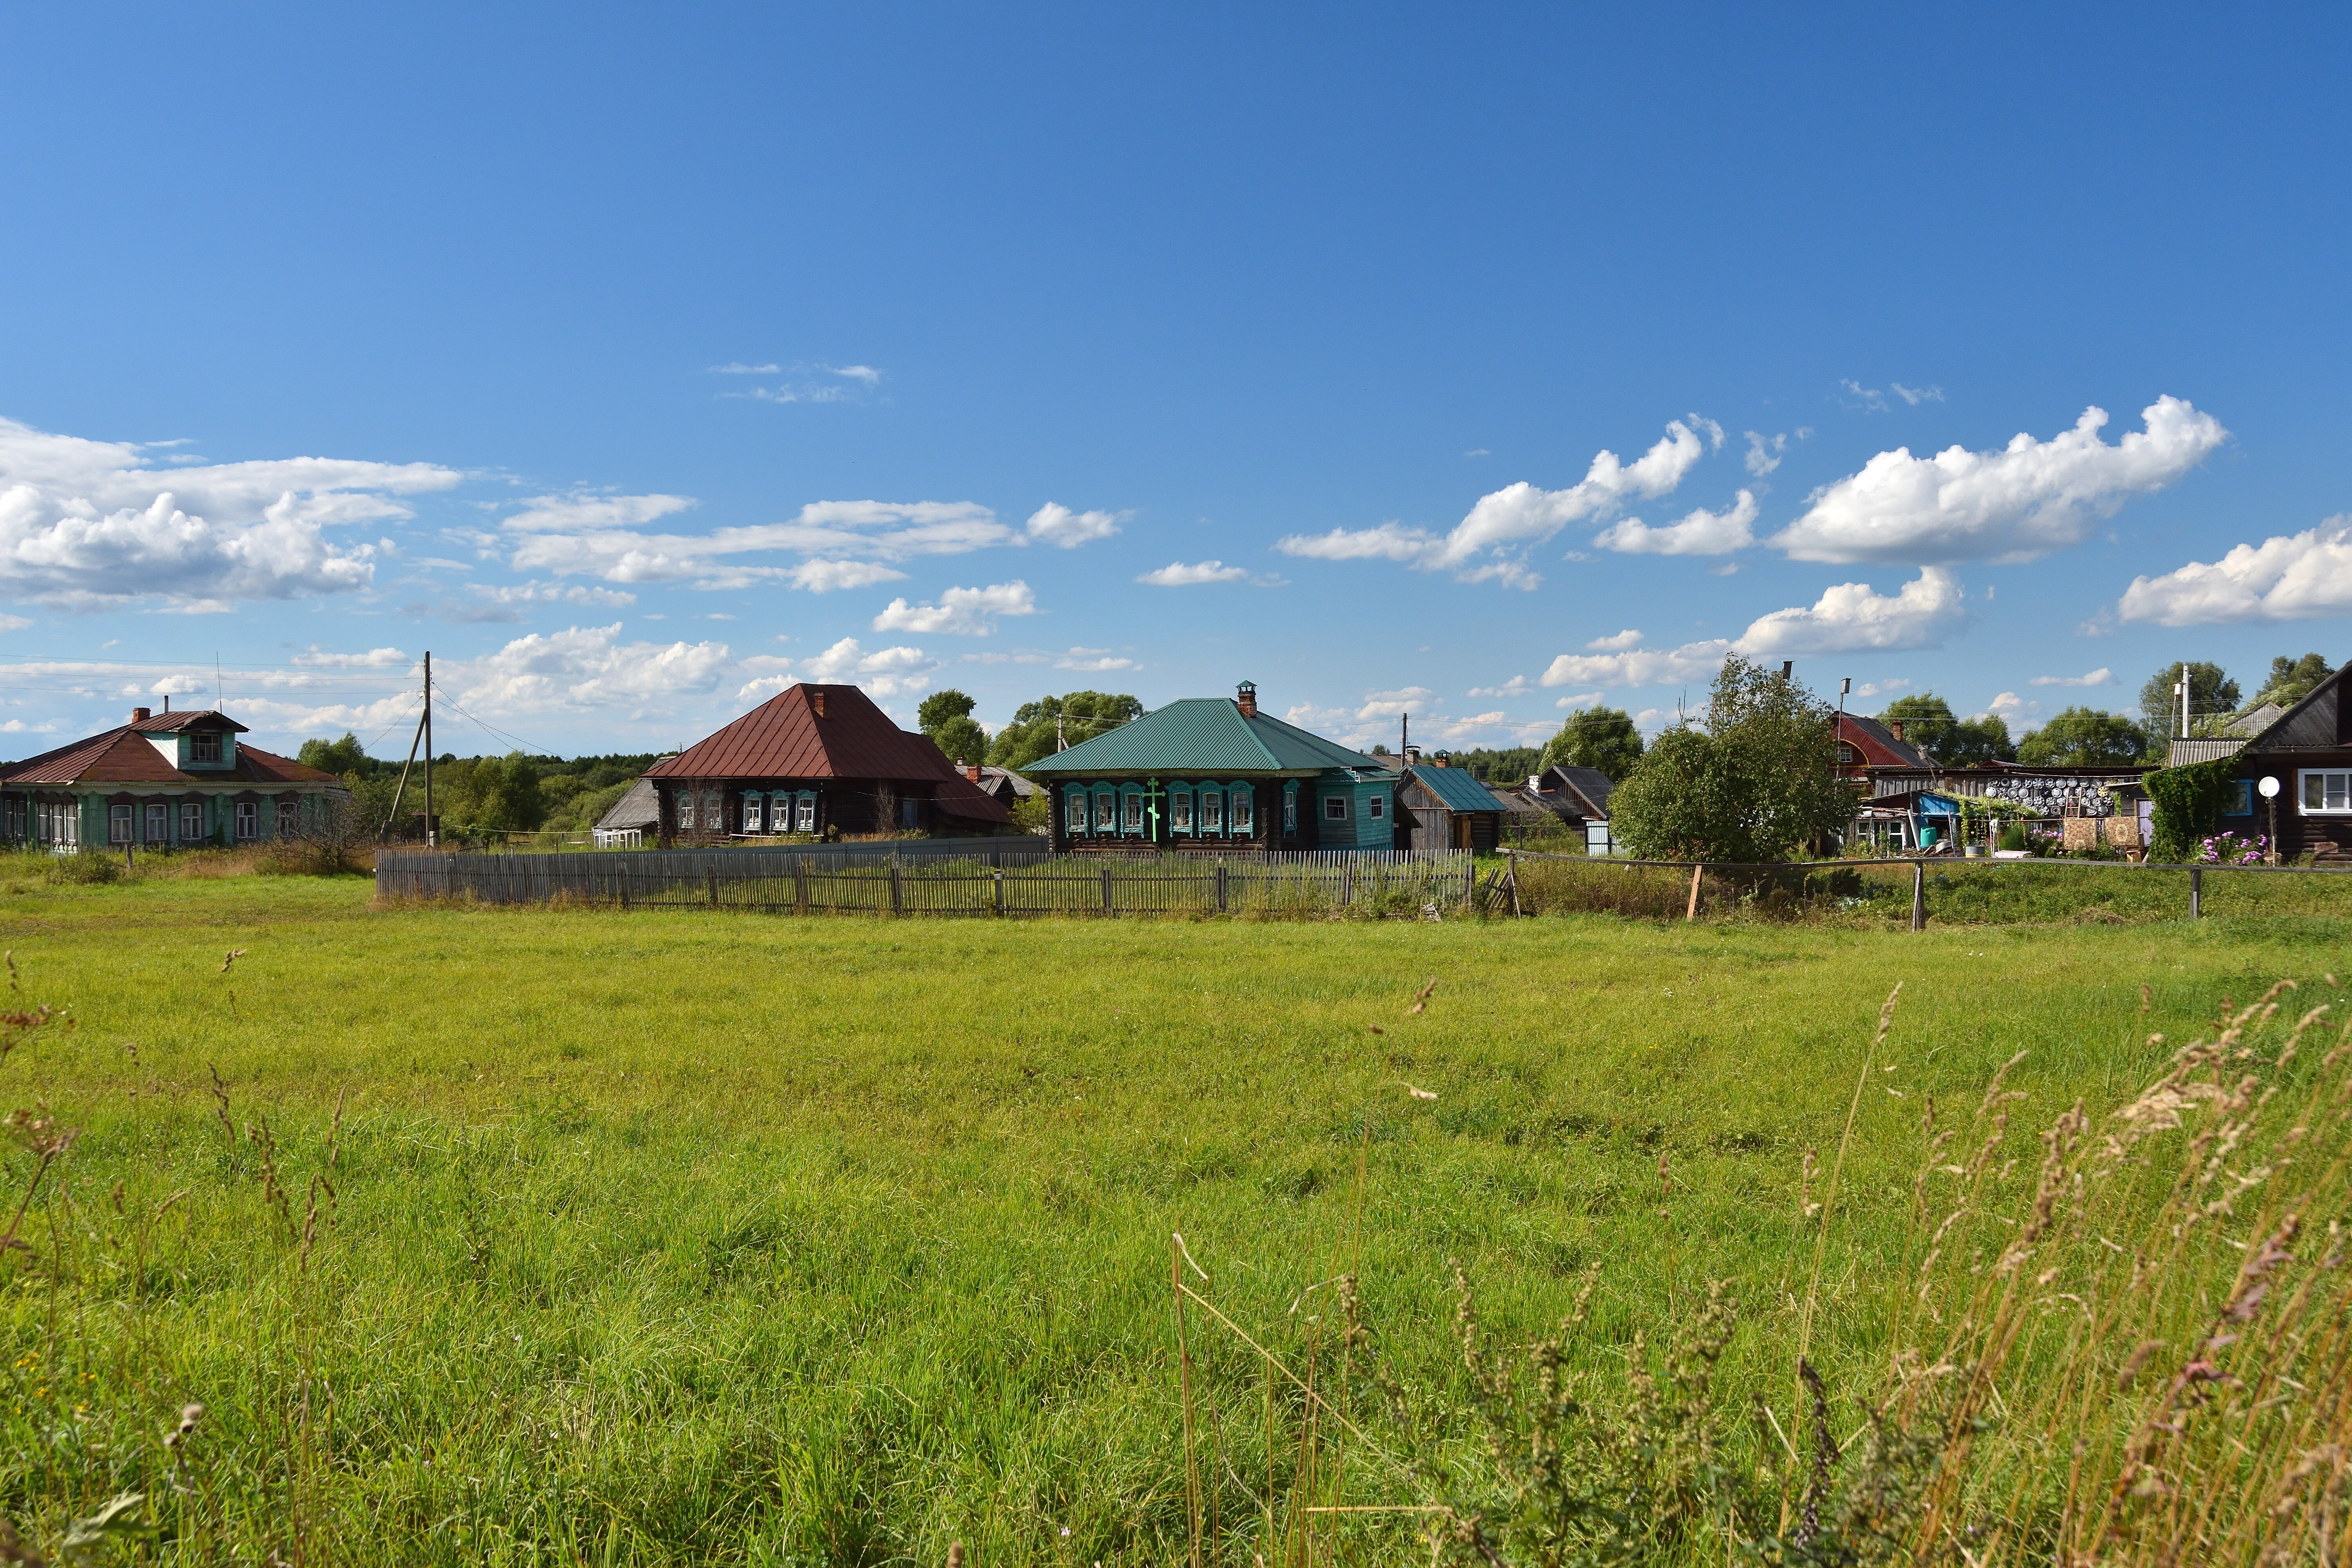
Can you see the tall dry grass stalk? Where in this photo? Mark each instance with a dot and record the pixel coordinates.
(2129, 1345)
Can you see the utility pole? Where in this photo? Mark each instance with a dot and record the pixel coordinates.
(2181, 692)
(432, 834)
(1404, 738)
(1061, 741)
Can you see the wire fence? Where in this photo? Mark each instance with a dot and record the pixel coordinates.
(986, 878)
(1968, 885)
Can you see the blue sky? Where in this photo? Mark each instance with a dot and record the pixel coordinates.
(637, 367)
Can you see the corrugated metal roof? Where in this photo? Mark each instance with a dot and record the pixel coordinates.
(1590, 784)
(121, 755)
(783, 738)
(961, 798)
(187, 719)
(1879, 744)
(1206, 735)
(1454, 789)
(2183, 752)
(641, 807)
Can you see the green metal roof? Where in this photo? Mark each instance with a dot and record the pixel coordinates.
(1204, 735)
(1455, 788)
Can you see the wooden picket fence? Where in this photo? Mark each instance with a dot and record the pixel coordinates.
(1006, 877)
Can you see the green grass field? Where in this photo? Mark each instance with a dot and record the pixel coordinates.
(708, 1239)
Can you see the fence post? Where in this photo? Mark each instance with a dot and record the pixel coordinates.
(1918, 895)
(898, 894)
(1690, 912)
(2196, 893)
(1510, 878)
(713, 875)
(1108, 907)
(1220, 887)
(996, 894)
(800, 886)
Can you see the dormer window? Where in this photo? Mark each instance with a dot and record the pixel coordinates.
(205, 746)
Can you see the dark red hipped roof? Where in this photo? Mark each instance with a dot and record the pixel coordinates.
(123, 756)
(784, 738)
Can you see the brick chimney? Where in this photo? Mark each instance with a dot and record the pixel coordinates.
(1245, 699)
(971, 772)
(139, 715)
(816, 702)
(1895, 725)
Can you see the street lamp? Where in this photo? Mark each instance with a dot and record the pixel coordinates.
(2270, 788)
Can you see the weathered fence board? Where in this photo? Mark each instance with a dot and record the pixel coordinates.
(986, 879)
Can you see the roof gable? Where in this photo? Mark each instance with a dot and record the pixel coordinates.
(2313, 724)
(1878, 743)
(786, 738)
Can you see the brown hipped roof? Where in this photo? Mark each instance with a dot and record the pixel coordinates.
(123, 756)
(784, 738)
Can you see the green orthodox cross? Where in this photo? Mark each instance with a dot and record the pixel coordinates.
(1153, 795)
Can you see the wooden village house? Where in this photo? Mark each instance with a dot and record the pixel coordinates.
(815, 760)
(1443, 807)
(163, 781)
(2307, 749)
(1215, 774)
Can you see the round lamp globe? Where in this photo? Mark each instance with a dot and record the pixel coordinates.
(2268, 786)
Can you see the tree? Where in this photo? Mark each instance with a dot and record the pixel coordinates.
(1757, 783)
(342, 758)
(1926, 718)
(2212, 694)
(2084, 738)
(2291, 680)
(1602, 738)
(1082, 715)
(1984, 739)
(946, 718)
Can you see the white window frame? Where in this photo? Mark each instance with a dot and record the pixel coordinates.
(1334, 808)
(205, 746)
(751, 817)
(2308, 781)
(158, 824)
(686, 812)
(1241, 812)
(289, 818)
(805, 820)
(248, 821)
(1377, 807)
(1180, 810)
(192, 822)
(1105, 810)
(1213, 811)
(1130, 811)
(121, 822)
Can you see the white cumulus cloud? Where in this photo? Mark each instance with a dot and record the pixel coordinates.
(1056, 524)
(2026, 500)
(1177, 574)
(1698, 532)
(2100, 677)
(1490, 543)
(1850, 618)
(89, 524)
(2286, 577)
(884, 672)
(586, 667)
(961, 612)
(847, 544)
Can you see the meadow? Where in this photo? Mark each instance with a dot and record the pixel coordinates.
(591, 1236)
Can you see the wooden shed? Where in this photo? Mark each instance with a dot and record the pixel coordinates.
(1448, 809)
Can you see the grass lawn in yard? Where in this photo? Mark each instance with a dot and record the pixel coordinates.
(672, 1238)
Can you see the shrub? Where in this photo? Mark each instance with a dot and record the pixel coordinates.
(2189, 801)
